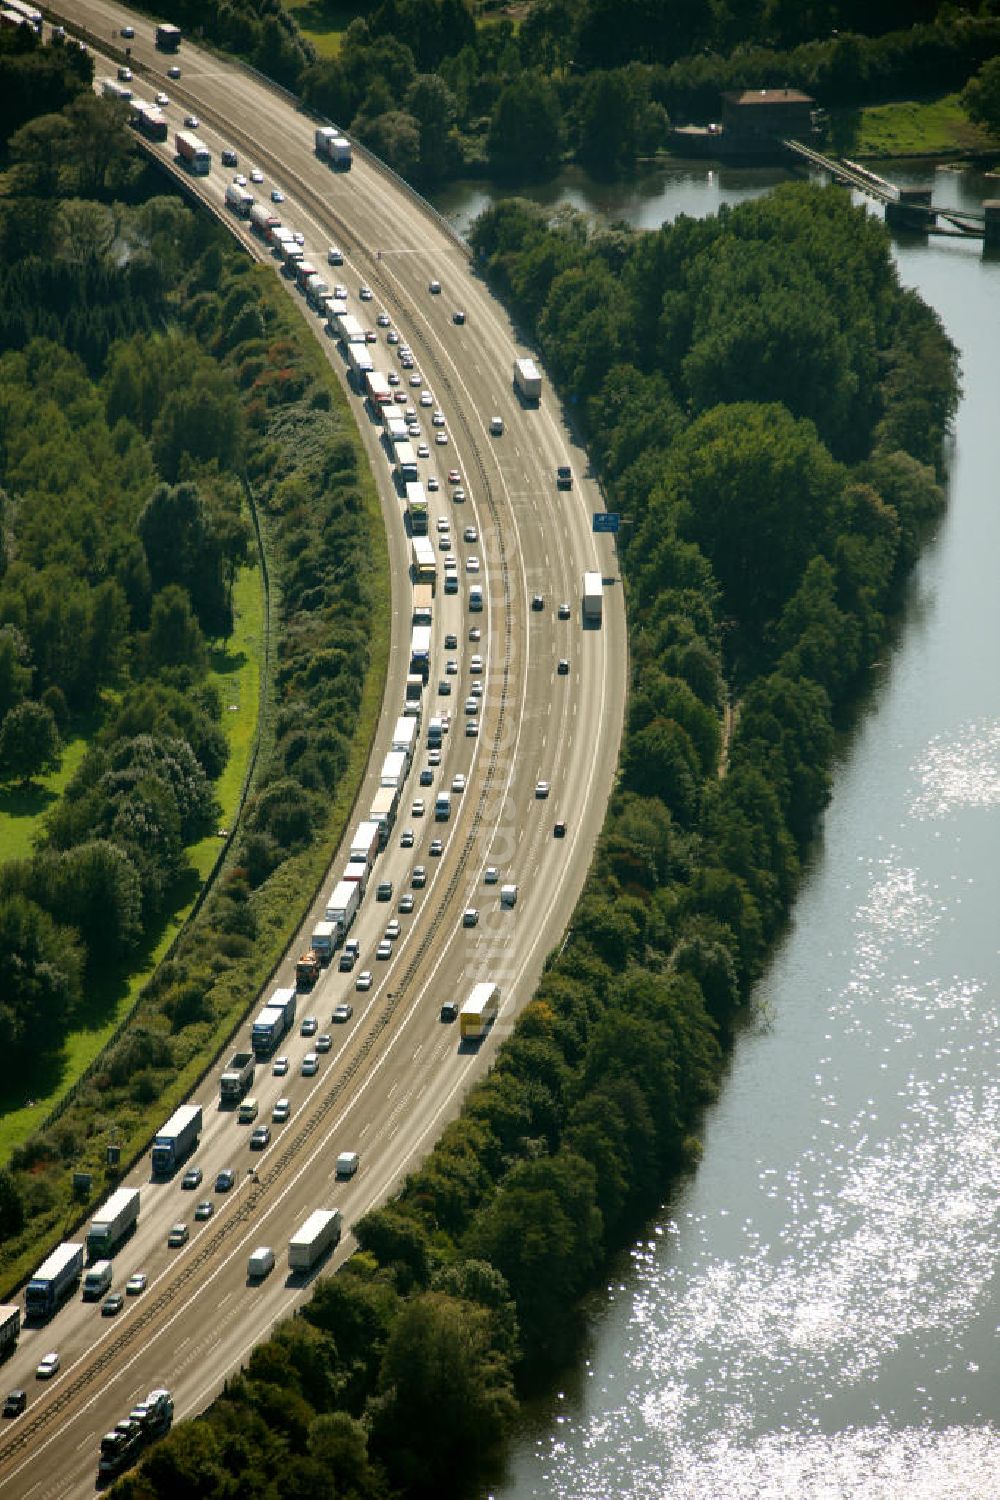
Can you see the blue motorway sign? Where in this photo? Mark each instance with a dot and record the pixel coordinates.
(606, 520)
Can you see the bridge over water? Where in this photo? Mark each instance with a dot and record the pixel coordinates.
(905, 208)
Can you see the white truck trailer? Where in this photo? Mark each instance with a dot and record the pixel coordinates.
(527, 380)
(316, 1236)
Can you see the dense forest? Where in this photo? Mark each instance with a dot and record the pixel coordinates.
(441, 87)
(160, 405)
(767, 405)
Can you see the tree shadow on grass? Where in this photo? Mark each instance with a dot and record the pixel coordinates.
(225, 662)
(26, 800)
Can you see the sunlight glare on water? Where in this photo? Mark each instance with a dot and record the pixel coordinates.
(860, 1261)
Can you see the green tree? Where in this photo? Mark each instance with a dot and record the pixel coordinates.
(440, 1356)
(758, 493)
(174, 638)
(981, 95)
(15, 675)
(99, 140)
(525, 135)
(40, 150)
(29, 742)
(432, 104)
(608, 112)
(40, 980)
(543, 1232)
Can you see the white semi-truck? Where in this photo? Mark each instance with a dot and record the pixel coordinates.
(334, 147)
(112, 1223)
(342, 906)
(316, 1236)
(593, 596)
(527, 380)
(177, 1139)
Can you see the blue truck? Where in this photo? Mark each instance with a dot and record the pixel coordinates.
(55, 1278)
(176, 1140)
(274, 1021)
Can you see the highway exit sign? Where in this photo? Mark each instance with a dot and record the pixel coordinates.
(606, 520)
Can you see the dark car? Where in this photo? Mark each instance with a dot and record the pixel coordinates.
(260, 1138)
(564, 477)
(458, 316)
(563, 668)
(112, 1305)
(225, 1180)
(538, 602)
(191, 1179)
(559, 831)
(15, 1403)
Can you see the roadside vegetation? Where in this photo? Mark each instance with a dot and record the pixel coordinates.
(768, 404)
(440, 88)
(166, 420)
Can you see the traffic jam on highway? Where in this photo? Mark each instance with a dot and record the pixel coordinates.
(448, 664)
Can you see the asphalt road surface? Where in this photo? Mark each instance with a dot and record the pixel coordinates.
(395, 1073)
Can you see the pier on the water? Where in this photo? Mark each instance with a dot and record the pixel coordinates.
(907, 208)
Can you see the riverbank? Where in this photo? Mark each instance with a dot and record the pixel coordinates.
(912, 129)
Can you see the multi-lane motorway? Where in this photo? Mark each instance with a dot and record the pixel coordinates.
(395, 1073)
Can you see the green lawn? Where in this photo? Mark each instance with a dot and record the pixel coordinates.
(325, 21)
(236, 671)
(908, 127)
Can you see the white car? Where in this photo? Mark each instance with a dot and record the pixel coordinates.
(392, 337)
(416, 381)
(434, 757)
(192, 122)
(471, 729)
(413, 429)
(423, 451)
(47, 1366)
(443, 523)
(418, 807)
(470, 534)
(476, 664)
(277, 196)
(393, 930)
(365, 292)
(472, 563)
(364, 980)
(241, 181)
(136, 1284)
(161, 100)
(384, 950)
(281, 1112)
(256, 175)
(426, 399)
(458, 495)
(298, 236)
(476, 690)
(383, 320)
(279, 1067)
(310, 1064)
(458, 782)
(451, 667)
(438, 418)
(441, 438)
(433, 482)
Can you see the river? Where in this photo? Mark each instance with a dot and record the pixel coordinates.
(815, 1313)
